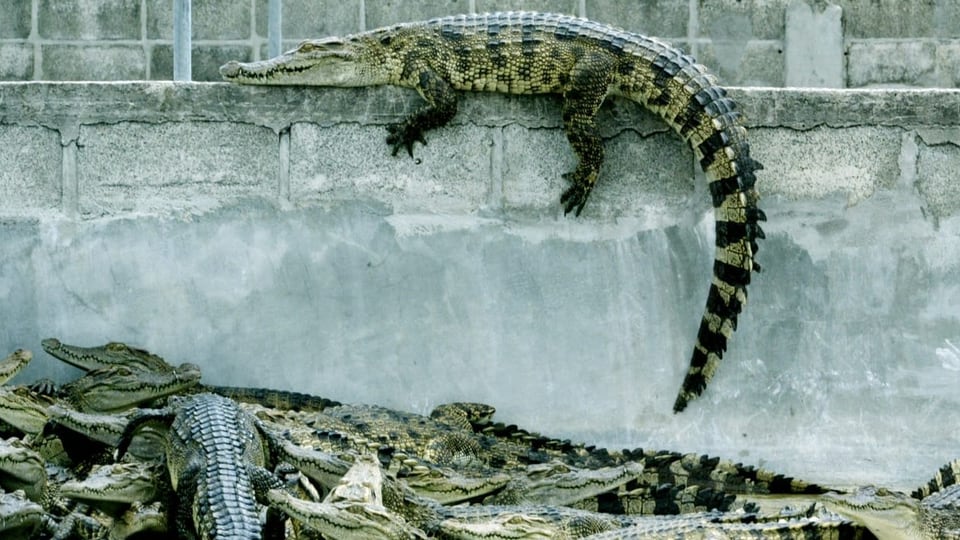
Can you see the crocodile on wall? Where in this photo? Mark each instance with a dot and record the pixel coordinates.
(584, 61)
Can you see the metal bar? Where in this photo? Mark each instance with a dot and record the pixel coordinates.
(182, 68)
(275, 28)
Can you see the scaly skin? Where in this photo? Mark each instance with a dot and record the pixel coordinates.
(216, 454)
(584, 61)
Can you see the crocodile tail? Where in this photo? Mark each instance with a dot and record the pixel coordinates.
(688, 98)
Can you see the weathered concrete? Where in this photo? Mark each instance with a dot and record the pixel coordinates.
(267, 235)
(814, 45)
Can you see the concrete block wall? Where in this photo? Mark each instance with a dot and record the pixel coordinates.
(836, 43)
(267, 235)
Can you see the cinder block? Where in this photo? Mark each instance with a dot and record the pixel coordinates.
(30, 164)
(948, 63)
(751, 63)
(390, 12)
(647, 177)
(16, 62)
(885, 63)
(741, 19)
(93, 62)
(661, 18)
(815, 163)
(451, 174)
(173, 167)
(890, 18)
(205, 63)
(814, 46)
(15, 20)
(89, 19)
(211, 19)
(937, 178)
(307, 19)
(568, 7)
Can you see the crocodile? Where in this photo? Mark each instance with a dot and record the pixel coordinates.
(22, 410)
(893, 515)
(14, 364)
(118, 354)
(215, 456)
(119, 388)
(20, 518)
(23, 469)
(112, 389)
(826, 527)
(352, 509)
(115, 486)
(584, 61)
(664, 470)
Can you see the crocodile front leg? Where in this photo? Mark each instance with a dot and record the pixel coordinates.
(588, 86)
(441, 107)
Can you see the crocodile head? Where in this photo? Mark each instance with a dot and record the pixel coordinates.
(508, 525)
(887, 514)
(344, 62)
(26, 411)
(22, 468)
(117, 388)
(110, 354)
(362, 520)
(14, 364)
(19, 516)
(115, 486)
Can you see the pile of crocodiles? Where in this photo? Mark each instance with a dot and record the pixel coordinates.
(138, 448)
(150, 451)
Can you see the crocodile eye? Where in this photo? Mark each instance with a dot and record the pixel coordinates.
(306, 46)
(115, 346)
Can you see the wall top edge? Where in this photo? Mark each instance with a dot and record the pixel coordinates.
(60, 104)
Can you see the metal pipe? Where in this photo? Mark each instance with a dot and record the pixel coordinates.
(182, 68)
(274, 27)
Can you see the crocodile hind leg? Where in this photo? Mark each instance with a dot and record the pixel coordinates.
(441, 107)
(182, 502)
(588, 86)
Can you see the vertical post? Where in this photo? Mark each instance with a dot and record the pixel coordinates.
(182, 68)
(274, 27)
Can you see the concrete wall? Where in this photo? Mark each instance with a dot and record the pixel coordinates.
(267, 235)
(852, 43)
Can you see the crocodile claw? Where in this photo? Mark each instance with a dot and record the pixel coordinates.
(44, 387)
(403, 136)
(575, 197)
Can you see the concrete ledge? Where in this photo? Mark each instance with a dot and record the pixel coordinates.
(267, 235)
(38, 103)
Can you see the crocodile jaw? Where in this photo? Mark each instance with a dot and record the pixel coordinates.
(317, 62)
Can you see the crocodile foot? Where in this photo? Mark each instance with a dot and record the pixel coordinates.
(403, 135)
(575, 197)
